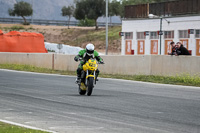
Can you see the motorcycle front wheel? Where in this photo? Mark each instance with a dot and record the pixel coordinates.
(90, 85)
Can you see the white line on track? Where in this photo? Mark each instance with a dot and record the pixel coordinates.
(96, 118)
(25, 126)
(130, 81)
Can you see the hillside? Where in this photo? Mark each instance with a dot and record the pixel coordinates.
(45, 9)
(75, 36)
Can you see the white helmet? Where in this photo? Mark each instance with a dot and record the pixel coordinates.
(90, 49)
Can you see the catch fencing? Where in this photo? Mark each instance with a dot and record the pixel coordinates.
(50, 22)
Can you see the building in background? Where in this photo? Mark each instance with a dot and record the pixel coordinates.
(170, 21)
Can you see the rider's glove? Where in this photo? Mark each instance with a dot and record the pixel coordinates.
(76, 59)
(101, 62)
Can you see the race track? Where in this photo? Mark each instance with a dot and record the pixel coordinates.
(52, 102)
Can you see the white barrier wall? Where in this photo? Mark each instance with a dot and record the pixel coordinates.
(126, 65)
(65, 62)
(39, 60)
(175, 65)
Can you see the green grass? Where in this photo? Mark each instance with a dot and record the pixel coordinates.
(34, 69)
(7, 128)
(177, 80)
(16, 28)
(113, 34)
(84, 36)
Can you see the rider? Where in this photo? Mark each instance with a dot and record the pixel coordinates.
(174, 49)
(86, 54)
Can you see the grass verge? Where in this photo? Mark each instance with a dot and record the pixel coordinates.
(30, 68)
(93, 36)
(7, 128)
(176, 80)
(16, 28)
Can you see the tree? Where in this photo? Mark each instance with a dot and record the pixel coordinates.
(86, 22)
(90, 9)
(21, 9)
(113, 9)
(68, 11)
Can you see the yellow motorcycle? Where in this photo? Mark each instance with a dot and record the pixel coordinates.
(88, 77)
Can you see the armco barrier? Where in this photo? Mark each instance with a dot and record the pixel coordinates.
(127, 65)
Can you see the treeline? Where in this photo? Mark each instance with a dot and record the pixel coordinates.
(87, 11)
(90, 10)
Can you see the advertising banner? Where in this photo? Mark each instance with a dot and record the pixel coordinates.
(154, 46)
(198, 47)
(141, 47)
(185, 43)
(168, 48)
(128, 47)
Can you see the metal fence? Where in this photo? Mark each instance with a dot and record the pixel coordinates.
(49, 22)
(172, 8)
(175, 8)
(136, 11)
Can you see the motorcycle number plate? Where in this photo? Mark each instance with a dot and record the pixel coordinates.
(92, 65)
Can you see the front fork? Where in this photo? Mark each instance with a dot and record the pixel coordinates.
(87, 73)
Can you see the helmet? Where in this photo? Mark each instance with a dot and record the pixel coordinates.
(90, 49)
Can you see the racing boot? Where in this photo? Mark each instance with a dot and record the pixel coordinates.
(97, 74)
(78, 80)
(97, 79)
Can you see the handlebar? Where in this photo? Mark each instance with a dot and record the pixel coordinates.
(100, 63)
(80, 59)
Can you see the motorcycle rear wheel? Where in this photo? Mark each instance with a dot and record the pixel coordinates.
(90, 86)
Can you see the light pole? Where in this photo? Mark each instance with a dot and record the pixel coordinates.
(160, 32)
(32, 13)
(106, 27)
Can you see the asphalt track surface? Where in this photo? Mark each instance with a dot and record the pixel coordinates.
(52, 102)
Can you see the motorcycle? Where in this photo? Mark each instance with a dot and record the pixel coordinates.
(88, 77)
